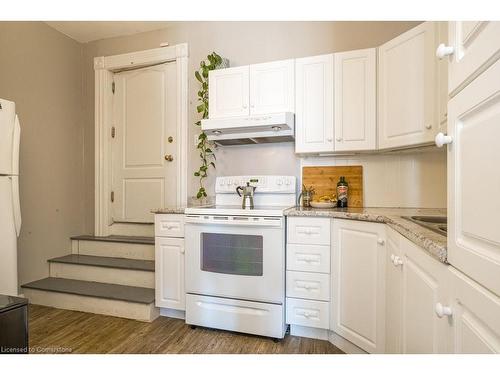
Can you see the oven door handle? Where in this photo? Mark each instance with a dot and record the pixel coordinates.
(260, 221)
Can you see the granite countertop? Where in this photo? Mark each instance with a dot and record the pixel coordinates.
(192, 202)
(434, 243)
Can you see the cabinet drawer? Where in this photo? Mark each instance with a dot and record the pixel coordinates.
(307, 313)
(315, 286)
(169, 225)
(309, 258)
(309, 230)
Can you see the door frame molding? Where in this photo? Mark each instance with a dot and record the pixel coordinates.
(104, 68)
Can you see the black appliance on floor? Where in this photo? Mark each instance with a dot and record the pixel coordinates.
(13, 325)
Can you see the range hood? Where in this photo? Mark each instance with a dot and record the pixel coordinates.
(272, 128)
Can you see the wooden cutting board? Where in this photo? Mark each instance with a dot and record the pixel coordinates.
(324, 180)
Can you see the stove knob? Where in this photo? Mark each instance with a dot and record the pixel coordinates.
(279, 182)
(288, 182)
(222, 182)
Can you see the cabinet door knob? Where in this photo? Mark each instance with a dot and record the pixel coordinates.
(182, 251)
(443, 310)
(329, 139)
(442, 139)
(443, 50)
(338, 139)
(380, 241)
(428, 126)
(397, 261)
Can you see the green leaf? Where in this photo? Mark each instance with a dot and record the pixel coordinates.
(199, 195)
(212, 164)
(208, 150)
(198, 123)
(200, 108)
(198, 77)
(197, 174)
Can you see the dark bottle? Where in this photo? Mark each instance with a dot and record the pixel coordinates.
(342, 189)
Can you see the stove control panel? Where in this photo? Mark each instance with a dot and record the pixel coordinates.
(264, 184)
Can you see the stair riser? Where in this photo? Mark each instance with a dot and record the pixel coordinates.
(129, 229)
(119, 276)
(114, 249)
(122, 309)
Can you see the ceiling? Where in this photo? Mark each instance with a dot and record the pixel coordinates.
(87, 31)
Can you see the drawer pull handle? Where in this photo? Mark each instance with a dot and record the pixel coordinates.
(308, 315)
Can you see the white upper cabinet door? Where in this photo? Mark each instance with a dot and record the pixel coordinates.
(424, 284)
(358, 282)
(474, 180)
(314, 104)
(476, 46)
(476, 312)
(408, 88)
(355, 100)
(228, 92)
(272, 87)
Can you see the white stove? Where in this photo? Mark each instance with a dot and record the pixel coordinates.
(235, 258)
(273, 195)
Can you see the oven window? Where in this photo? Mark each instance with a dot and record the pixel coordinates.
(235, 254)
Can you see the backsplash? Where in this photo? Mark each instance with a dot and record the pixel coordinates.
(414, 178)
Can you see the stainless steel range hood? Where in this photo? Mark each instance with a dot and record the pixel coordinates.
(276, 127)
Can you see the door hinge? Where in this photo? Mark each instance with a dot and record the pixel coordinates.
(113, 87)
(112, 196)
(113, 132)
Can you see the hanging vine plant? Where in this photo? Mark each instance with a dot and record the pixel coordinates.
(207, 155)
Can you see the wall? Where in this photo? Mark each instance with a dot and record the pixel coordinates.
(40, 69)
(242, 43)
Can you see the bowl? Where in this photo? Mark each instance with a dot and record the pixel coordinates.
(323, 204)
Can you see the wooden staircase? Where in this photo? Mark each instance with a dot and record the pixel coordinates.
(111, 275)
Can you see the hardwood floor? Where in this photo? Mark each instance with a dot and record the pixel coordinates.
(78, 332)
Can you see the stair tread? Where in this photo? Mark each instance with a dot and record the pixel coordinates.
(98, 261)
(114, 238)
(94, 289)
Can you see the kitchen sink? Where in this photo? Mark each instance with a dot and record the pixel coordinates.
(437, 224)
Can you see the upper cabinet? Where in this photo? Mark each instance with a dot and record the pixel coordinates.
(272, 87)
(314, 125)
(252, 90)
(473, 50)
(408, 88)
(355, 100)
(228, 92)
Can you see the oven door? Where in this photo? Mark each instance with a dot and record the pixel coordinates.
(235, 257)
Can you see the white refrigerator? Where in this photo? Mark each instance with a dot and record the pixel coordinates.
(10, 210)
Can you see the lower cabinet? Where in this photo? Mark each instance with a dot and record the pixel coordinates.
(416, 284)
(475, 312)
(169, 273)
(358, 283)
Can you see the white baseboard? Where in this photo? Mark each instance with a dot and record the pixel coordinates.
(312, 333)
(345, 345)
(172, 313)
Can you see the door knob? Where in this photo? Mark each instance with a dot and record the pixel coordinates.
(169, 157)
(443, 51)
(443, 310)
(442, 140)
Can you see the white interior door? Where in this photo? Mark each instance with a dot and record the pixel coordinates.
(144, 142)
